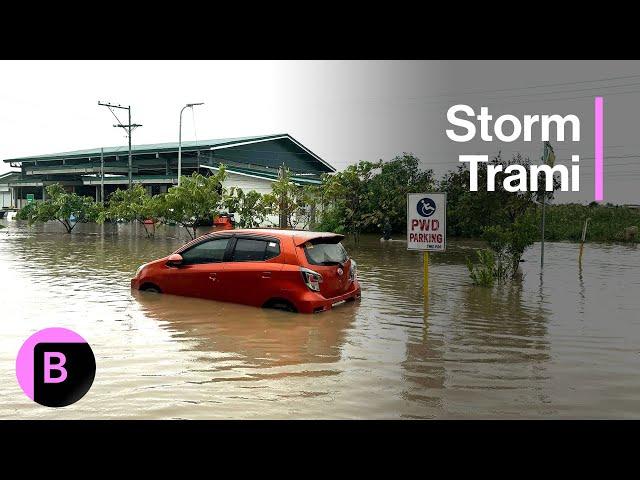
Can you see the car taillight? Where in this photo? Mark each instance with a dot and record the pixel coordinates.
(311, 279)
(354, 270)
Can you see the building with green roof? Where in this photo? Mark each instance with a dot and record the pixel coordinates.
(251, 162)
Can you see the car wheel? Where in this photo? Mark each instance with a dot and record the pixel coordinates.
(150, 289)
(282, 305)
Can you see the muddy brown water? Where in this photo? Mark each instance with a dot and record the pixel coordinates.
(565, 344)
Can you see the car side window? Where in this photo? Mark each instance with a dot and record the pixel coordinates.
(211, 251)
(255, 250)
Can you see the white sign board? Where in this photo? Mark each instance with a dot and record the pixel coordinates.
(427, 222)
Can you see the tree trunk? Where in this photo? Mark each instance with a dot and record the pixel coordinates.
(312, 217)
(67, 225)
(146, 230)
(188, 228)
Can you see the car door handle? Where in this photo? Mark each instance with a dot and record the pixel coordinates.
(266, 274)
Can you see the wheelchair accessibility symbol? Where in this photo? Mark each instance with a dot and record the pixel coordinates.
(426, 207)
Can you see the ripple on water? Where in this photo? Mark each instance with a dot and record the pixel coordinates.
(562, 344)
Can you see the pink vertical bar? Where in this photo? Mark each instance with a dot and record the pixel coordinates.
(599, 153)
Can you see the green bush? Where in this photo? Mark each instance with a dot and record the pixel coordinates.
(62, 206)
(606, 222)
(484, 273)
(134, 205)
(331, 221)
(27, 212)
(364, 195)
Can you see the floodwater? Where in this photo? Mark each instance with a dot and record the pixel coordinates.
(562, 345)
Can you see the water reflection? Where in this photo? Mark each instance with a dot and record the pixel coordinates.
(261, 338)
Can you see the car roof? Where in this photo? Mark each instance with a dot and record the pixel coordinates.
(299, 236)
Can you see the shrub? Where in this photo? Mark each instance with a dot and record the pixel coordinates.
(483, 273)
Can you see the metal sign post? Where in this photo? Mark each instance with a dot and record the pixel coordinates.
(427, 227)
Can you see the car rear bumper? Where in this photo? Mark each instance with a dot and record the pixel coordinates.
(316, 303)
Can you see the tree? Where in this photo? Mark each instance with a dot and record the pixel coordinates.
(349, 198)
(368, 195)
(134, 204)
(468, 213)
(67, 208)
(198, 197)
(290, 200)
(251, 207)
(390, 186)
(506, 220)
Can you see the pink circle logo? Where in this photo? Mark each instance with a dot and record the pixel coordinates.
(55, 367)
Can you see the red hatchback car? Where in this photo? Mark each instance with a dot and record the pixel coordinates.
(293, 270)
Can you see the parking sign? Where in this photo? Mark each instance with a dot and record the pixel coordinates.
(427, 221)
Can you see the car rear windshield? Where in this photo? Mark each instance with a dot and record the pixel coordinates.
(325, 252)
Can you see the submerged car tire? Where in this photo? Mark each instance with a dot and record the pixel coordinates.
(150, 288)
(280, 304)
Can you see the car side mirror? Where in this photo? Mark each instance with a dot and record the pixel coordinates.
(174, 260)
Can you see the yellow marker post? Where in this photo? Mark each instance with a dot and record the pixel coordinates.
(584, 236)
(425, 282)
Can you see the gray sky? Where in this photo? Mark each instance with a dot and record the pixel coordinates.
(344, 111)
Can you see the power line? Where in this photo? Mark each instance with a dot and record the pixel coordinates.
(525, 157)
(413, 101)
(530, 87)
(129, 127)
(600, 88)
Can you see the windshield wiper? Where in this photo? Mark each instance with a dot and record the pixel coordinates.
(332, 262)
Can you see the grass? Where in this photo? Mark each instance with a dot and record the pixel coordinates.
(606, 223)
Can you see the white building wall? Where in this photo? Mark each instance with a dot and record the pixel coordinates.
(247, 184)
(5, 197)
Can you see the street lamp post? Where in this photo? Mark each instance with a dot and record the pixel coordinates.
(188, 105)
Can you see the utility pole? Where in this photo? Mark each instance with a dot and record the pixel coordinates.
(102, 176)
(544, 203)
(549, 158)
(283, 213)
(127, 128)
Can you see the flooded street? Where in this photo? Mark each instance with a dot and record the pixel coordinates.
(562, 345)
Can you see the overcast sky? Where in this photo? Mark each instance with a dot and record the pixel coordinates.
(343, 111)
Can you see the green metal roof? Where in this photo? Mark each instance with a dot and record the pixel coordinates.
(311, 180)
(9, 176)
(168, 147)
(120, 179)
(149, 148)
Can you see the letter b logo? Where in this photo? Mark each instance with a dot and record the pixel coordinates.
(55, 367)
(59, 366)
